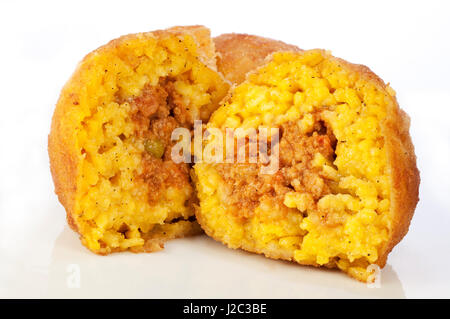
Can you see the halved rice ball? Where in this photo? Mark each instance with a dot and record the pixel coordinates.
(110, 142)
(346, 183)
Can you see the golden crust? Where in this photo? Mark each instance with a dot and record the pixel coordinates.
(62, 147)
(405, 176)
(239, 54)
(401, 159)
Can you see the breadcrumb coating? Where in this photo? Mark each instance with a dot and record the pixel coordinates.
(238, 54)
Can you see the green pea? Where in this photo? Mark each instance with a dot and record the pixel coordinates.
(154, 147)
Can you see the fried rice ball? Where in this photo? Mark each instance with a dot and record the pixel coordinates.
(347, 183)
(110, 141)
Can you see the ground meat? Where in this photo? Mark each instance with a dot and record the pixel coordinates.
(297, 151)
(156, 113)
(246, 187)
(159, 102)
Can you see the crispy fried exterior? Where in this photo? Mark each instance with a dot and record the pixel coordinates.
(401, 159)
(404, 174)
(64, 153)
(239, 54)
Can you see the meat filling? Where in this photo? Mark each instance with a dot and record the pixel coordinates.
(246, 187)
(156, 113)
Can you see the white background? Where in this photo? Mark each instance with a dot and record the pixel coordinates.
(406, 43)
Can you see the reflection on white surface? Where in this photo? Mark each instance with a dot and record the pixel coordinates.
(197, 268)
